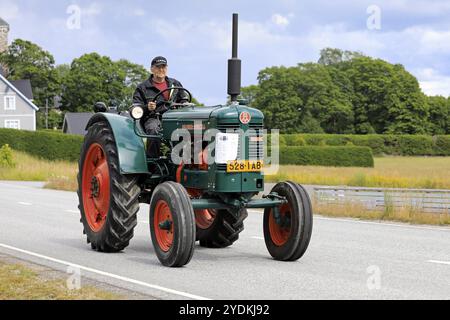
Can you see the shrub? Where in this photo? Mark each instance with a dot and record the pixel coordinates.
(46, 145)
(6, 157)
(327, 156)
(294, 140)
(404, 145)
(281, 141)
(441, 145)
(410, 145)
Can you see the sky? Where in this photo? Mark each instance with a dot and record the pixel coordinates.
(195, 35)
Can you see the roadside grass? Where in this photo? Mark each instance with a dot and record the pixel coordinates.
(58, 174)
(408, 214)
(18, 282)
(389, 172)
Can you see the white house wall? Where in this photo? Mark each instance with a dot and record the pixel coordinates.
(23, 112)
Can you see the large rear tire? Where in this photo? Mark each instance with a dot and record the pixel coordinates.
(172, 224)
(288, 238)
(223, 231)
(108, 200)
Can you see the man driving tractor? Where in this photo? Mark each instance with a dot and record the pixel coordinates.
(145, 94)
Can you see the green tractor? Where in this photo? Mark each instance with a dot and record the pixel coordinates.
(194, 196)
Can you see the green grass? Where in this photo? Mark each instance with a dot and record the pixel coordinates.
(18, 282)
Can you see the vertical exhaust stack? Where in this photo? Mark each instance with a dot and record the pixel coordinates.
(234, 65)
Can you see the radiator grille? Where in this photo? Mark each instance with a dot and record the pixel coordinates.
(255, 143)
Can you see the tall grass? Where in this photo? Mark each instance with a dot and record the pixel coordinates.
(389, 172)
(57, 174)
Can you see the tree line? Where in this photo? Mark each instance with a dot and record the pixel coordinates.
(344, 92)
(347, 92)
(88, 79)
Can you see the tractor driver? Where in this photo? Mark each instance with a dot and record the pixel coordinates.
(144, 94)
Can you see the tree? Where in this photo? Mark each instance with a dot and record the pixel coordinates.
(55, 119)
(439, 114)
(331, 56)
(92, 78)
(26, 60)
(387, 99)
(303, 99)
(278, 98)
(249, 93)
(134, 75)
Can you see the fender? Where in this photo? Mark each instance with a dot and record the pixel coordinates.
(131, 149)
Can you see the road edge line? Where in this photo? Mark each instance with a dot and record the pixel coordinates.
(106, 274)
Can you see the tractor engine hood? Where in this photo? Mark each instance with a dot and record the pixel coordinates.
(221, 114)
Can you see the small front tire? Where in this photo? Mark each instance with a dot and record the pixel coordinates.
(172, 224)
(288, 237)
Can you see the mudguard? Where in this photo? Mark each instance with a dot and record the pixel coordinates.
(131, 149)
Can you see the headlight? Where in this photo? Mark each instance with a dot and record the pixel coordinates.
(137, 112)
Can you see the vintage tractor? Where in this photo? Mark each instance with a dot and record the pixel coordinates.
(203, 196)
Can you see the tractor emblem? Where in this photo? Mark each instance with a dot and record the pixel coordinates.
(245, 117)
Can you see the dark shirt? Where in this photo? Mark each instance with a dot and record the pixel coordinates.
(146, 91)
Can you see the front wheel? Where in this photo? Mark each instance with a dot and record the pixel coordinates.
(288, 232)
(172, 224)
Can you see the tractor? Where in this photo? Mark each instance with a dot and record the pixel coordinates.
(193, 196)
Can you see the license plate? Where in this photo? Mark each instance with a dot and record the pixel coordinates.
(244, 166)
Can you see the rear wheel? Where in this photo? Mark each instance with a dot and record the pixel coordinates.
(287, 234)
(222, 230)
(108, 200)
(172, 224)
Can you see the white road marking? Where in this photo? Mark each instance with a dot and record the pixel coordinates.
(73, 211)
(107, 274)
(257, 238)
(25, 203)
(342, 219)
(439, 262)
(142, 221)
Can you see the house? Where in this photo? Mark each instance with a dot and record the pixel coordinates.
(75, 123)
(17, 110)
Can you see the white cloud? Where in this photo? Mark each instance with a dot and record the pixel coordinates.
(433, 83)
(280, 20)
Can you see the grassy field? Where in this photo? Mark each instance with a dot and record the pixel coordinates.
(18, 282)
(58, 174)
(389, 172)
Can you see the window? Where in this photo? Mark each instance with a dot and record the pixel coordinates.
(10, 103)
(12, 124)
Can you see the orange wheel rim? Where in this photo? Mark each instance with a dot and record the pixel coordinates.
(163, 225)
(204, 218)
(278, 233)
(96, 187)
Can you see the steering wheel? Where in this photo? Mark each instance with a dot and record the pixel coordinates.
(170, 102)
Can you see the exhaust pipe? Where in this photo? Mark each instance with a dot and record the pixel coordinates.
(234, 65)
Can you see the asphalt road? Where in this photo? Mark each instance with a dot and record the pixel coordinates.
(346, 259)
